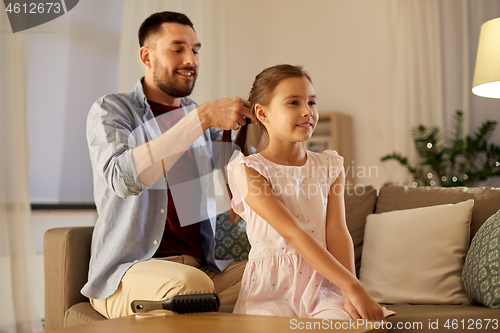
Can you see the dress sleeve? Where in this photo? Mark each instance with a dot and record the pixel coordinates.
(335, 165)
(239, 159)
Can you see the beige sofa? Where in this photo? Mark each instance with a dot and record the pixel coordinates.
(67, 252)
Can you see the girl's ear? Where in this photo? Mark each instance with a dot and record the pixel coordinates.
(260, 113)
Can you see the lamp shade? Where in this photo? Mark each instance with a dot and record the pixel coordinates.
(487, 73)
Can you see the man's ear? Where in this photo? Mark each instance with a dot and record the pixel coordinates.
(260, 113)
(145, 55)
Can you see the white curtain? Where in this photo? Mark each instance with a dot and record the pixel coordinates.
(431, 77)
(435, 49)
(17, 308)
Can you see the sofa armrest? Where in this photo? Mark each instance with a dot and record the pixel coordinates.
(66, 265)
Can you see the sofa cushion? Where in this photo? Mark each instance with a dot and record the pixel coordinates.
(486, 200)
(81, 313)
(359, 203)
(231, 241)
(417, 255)
(481, 274)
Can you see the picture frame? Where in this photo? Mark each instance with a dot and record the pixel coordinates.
(318, 143)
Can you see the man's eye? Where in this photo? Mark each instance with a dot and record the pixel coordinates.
(196, 52)
(176, 51)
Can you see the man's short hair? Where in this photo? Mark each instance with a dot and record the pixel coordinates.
(152, 24)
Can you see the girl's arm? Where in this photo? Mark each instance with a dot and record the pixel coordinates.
(339, 244)
(257, 193)
(338, 239)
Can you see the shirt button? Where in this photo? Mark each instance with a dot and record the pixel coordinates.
(164, 179)
(155, 242)
(162, 211)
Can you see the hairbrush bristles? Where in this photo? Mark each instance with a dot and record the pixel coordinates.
(187, 303)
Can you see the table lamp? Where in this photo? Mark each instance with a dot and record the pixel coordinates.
(487, 73)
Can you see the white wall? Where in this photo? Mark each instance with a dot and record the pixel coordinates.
(73, 60)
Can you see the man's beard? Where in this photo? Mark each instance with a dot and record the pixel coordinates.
(172, 88)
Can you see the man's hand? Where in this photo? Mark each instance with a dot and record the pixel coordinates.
(225, 114)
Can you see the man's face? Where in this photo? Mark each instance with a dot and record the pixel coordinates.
(174, 57)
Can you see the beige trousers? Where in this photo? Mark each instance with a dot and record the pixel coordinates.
(163, 278)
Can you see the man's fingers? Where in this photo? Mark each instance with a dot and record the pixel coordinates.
(230, 113)
(248, 114)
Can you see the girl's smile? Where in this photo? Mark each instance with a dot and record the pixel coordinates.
(306, 124)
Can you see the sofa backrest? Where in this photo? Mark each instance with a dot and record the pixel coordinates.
(390, 198)
(486, 200)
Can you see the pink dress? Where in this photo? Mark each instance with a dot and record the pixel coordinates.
(277, 281)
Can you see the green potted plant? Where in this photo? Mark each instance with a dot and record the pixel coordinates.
(458, 162)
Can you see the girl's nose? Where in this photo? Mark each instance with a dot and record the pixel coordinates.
(307, 112)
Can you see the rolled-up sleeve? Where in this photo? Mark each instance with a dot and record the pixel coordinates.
(111, 137)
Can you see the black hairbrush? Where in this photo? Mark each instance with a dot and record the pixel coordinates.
(180, 304)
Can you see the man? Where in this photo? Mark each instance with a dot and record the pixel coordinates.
(152, 157)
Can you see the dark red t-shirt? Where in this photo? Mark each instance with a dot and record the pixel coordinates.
(176, 239)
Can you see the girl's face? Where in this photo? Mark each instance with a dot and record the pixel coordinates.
(291, 114)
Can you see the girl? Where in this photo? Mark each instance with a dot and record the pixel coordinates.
(302, 258)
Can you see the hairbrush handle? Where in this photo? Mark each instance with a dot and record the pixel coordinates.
(180, 304)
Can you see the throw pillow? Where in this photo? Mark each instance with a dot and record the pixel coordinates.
(417, 255)
(481, 274)
(231, 241)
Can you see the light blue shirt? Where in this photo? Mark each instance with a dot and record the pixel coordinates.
(132, 215)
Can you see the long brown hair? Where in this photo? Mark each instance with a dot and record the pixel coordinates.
(261, 93)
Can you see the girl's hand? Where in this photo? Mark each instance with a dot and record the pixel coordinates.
(360, 305)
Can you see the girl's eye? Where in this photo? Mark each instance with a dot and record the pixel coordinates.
(293, 103)
(312, 103)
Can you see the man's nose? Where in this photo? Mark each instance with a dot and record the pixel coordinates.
(189, 58)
